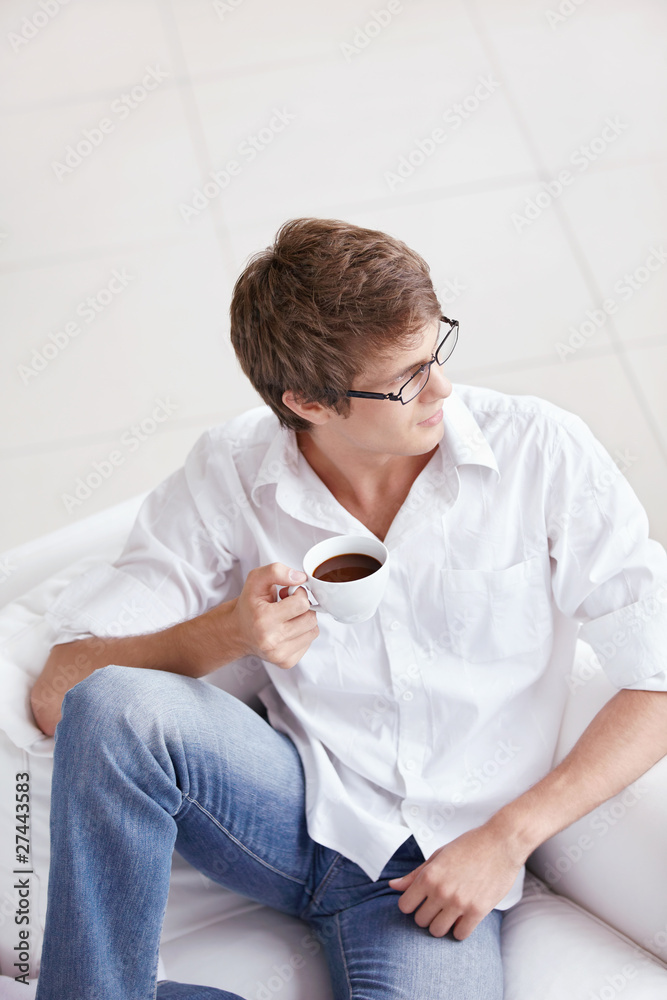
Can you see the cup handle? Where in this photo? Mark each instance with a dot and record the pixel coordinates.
(314, 606)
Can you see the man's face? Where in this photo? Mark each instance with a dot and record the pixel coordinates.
(387, 427)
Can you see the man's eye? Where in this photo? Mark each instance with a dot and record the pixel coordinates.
(407, 375)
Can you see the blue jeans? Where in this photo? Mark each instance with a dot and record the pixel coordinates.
(147, 760)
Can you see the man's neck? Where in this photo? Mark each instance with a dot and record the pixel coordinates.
(368, 481)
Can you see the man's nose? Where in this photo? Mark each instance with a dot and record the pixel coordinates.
(438, 385)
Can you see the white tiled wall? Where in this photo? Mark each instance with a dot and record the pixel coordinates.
(547, 83)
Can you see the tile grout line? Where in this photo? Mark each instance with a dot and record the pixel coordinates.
(431, 196)
(110, 436)
(548, 361)
(175, 82)
(97, 252)
(196, 129)
(463, 376)
(575, 247)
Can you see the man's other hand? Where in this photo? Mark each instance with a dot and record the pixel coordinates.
(460, 883)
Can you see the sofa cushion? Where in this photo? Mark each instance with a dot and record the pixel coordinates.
(612, 861)
(555, 950)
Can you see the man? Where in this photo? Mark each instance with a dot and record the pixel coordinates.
(366, 803)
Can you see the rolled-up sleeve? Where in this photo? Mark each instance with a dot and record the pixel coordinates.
(170, 569)
(607, 572)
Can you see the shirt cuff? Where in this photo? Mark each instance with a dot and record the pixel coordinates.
(106, 601)
(631, 643)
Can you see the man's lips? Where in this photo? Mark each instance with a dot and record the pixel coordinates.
(433, 420)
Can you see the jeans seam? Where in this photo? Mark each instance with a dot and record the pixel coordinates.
(157, 951)
(343, 956)
(231, 836)
(320, 889)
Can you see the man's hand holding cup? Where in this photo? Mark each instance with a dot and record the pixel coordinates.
(278, 631)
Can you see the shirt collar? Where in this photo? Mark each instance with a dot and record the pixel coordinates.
(282, 455)
(463, 439)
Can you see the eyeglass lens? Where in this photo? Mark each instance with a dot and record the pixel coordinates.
(420, 378)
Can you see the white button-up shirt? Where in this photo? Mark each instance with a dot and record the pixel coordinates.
(518, 536)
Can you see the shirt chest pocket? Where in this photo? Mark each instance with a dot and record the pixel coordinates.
(495, 614)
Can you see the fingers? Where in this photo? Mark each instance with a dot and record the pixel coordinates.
(279, 632)
(427, 913)
(292, 652)
(291, 605)
(301, 624)
(465, 925)
(404, 881)
(261, 582)
(434, 911)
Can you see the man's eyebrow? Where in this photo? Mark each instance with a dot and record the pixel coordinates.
(416, 364)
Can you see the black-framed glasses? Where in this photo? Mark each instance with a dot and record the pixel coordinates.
(418, 379)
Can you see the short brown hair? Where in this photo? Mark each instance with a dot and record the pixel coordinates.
(308, 313)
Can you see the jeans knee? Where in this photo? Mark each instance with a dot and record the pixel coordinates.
(112, 692)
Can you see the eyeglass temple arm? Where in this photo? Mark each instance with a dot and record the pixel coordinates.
(374, 395)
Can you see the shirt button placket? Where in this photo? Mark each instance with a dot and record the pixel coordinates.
(400, 651)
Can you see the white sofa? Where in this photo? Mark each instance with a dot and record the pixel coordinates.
(592, 923)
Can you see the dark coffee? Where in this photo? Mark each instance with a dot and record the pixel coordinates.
(346, 567)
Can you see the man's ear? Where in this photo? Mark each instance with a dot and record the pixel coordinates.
(316, 413)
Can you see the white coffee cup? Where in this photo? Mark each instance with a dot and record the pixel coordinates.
(354, 600)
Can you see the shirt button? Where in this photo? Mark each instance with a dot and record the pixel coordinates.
(414, 810)
(394, 626)
(410, 765)
(407, 696)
